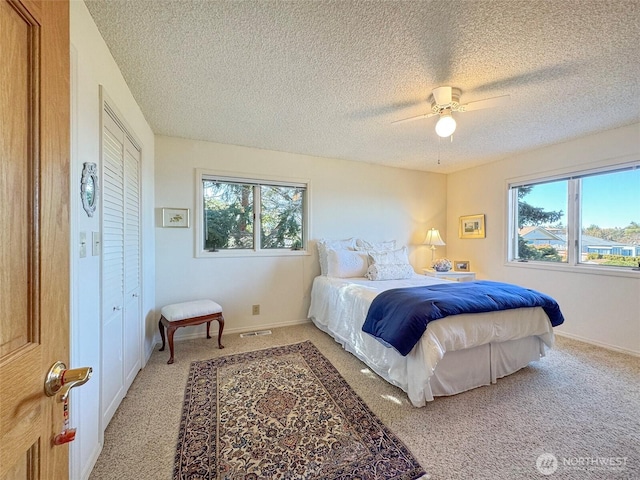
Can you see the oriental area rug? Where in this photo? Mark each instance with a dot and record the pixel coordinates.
(282, 413)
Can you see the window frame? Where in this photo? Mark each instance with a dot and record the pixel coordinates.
(574, 216)
(256, 181)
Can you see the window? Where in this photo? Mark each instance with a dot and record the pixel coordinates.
(586, 218)
(250, 215)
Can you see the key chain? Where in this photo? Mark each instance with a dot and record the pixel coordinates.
(68, 434)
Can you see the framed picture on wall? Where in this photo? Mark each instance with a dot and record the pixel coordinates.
(175, 217)
(472, 226)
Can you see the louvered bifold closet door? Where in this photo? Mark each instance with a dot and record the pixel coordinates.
(112, 369)
(132, 280)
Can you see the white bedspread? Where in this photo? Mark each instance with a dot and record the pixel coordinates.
(339, 307)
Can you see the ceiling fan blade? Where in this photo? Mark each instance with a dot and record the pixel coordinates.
(442, 95)
(419, 117)
(486, 103)
(535, 77)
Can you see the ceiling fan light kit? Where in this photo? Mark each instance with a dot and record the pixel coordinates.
(445, 97)
(446, 125)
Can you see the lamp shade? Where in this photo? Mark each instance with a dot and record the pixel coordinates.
(446, 125)
(433, 238)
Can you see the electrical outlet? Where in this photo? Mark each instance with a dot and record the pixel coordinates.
(256, 310)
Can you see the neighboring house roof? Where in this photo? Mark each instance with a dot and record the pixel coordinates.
(588, 240)
(538, 233)
(525, 230)
(554, 235)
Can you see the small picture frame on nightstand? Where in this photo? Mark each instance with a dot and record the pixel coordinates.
(461, 266)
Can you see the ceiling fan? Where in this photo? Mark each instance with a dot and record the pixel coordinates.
(445, 101)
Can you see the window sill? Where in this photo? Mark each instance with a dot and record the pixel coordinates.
(584, 269)
(252, 253)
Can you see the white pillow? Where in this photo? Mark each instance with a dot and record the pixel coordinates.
(390, 257)
(324, 245)
(377, 246)
(346, 263)
(389, 271)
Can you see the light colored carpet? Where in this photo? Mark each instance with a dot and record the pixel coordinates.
(580, 403)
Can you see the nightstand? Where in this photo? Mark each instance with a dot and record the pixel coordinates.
(450, 275)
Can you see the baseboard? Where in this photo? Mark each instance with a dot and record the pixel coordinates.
(147, 354)
(289, 323)
(91, 463)
(238, 330)
(597, 344)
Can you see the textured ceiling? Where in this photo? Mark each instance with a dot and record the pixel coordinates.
(327, 78)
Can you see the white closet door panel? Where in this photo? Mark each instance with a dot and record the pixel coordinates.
(132, 314)
(132, 217)
(132, 343)
(112, 375)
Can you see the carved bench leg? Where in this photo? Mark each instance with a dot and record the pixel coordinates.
(170, 331)
(220, 328)
(161, 327)
(208, 327)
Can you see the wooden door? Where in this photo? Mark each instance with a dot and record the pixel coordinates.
(34, 233)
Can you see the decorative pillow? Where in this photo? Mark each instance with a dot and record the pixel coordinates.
(390, 271)
(390, 257)
(346, 263)
(376, 246)
(324, 245)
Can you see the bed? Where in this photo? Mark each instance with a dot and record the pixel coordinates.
(455, 354)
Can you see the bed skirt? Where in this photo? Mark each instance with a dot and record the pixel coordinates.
(463, 370)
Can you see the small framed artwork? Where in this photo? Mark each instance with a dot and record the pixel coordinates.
(175, 217)
(472, 226)
(461, 266)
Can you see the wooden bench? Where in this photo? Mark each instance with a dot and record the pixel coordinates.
(186, 314)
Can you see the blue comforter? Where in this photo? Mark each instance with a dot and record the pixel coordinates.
(399, 317)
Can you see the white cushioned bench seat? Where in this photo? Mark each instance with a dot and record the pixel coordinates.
(195, 308)
(187, 314)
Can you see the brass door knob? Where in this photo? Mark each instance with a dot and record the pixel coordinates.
(61, 380)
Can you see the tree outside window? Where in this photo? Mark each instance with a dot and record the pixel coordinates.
(541, 249)
(252, 216)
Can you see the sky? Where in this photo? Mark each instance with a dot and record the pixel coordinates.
(608, 201)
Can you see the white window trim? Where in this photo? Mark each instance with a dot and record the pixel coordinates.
(572, 265)
(260, 179)
(580, 268)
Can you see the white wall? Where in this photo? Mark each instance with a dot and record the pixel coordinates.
(93, 65)
(600, 309)
(347, 199)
